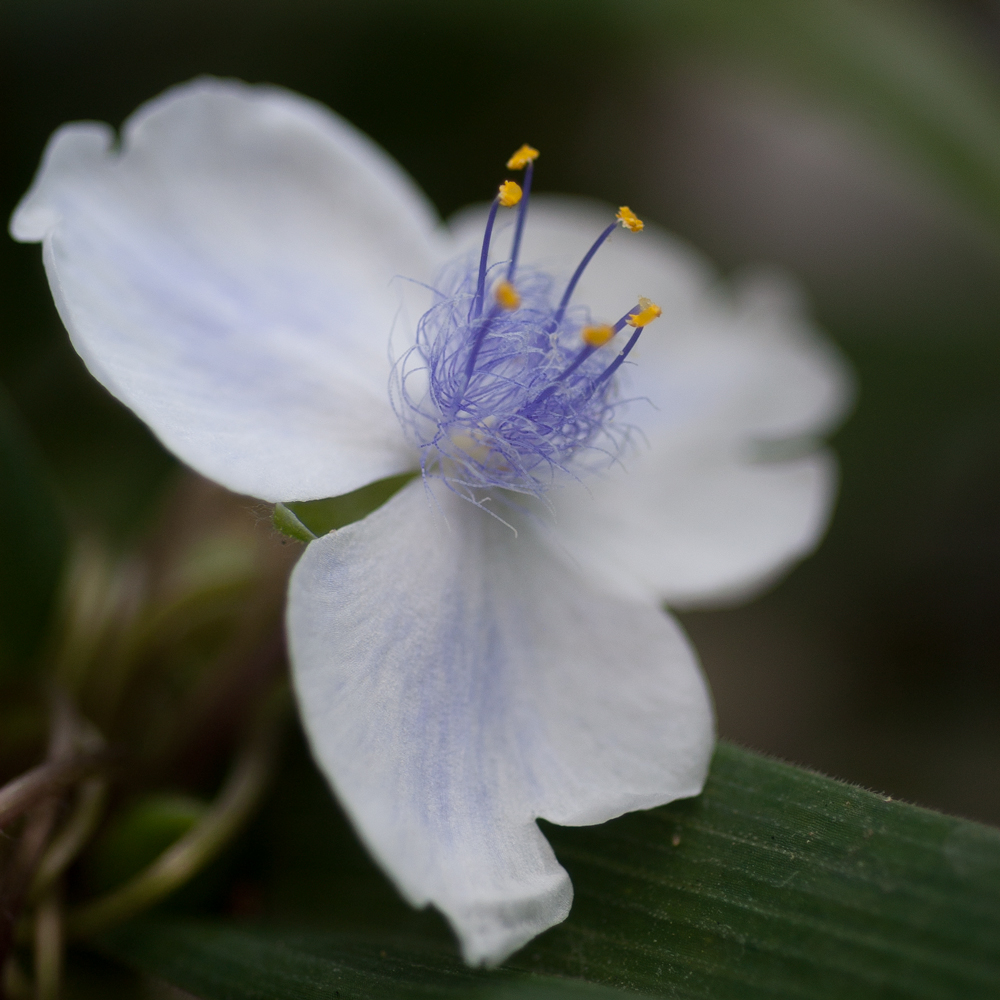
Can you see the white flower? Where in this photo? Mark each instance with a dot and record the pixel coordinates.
(232, 271)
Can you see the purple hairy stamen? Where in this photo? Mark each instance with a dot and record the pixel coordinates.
(518, 394)
(505, 402)
(588, 349)
(479, 335)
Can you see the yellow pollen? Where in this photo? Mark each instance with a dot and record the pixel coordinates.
(629, 219)
(597, 336)
(522, 158)
(473, 446)
(507, 296)
(649, 311)
(510, 193)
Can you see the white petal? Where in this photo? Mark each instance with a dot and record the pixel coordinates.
(226, 273)
(458, 682)
(695, 526)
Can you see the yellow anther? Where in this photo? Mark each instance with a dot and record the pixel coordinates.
(649, 311)
(507, 296)
(629, 219)
(510, 193)
(597, 336)
(522, 158)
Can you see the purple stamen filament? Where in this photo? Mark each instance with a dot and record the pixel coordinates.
(619, 361)
(477, 342)
(522, 214)
(587, 258)
(587, 350)
(477, 302)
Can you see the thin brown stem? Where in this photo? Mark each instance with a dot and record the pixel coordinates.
(14, 983)
(44, 781)
(49, 941)
(37, 794)
(30, 846)
(74, 835)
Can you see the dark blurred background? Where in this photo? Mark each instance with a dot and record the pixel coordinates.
(876, 660)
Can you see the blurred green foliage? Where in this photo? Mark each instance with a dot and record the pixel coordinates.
(137, 836)
(32, 544)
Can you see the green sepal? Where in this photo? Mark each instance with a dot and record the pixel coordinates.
(313, 518)
(288, 523)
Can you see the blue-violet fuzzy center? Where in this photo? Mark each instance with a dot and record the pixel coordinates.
(505, 385)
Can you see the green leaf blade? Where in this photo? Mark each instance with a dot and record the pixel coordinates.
(776, 882)
(313, 518)
(231, 962)
(782, 882)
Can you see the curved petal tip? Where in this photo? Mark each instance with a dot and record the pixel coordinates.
(492, 930)
(74, 151)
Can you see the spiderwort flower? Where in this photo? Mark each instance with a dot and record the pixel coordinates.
(489, 647)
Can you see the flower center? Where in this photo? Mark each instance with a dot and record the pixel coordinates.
(515, 390)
